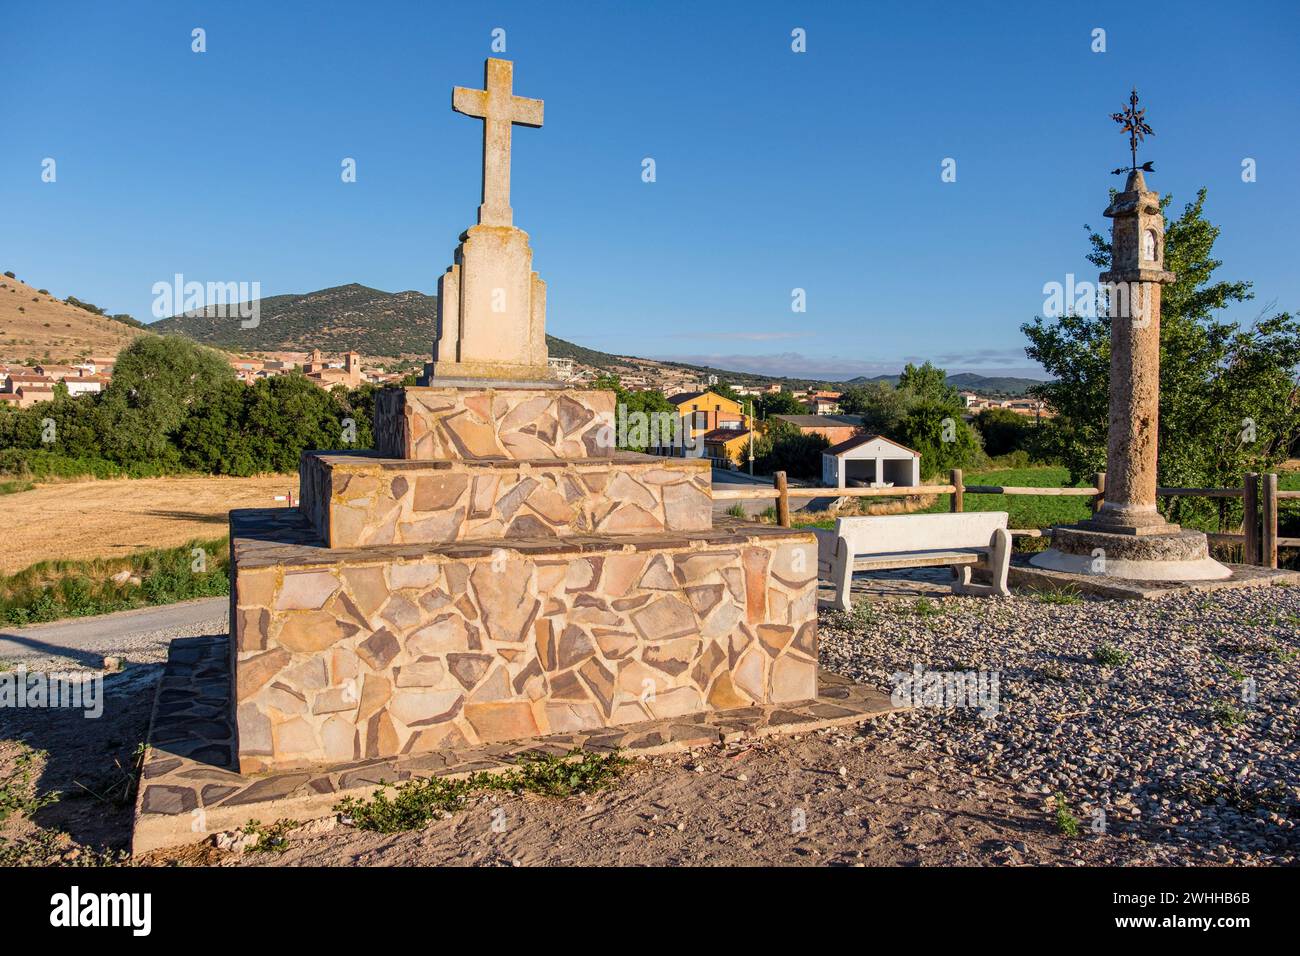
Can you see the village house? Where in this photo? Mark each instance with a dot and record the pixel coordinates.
(823, 403)
(58, 373)
(86, 384)
(702, 413)
(727, 447)
(870, 461)
(834, 428)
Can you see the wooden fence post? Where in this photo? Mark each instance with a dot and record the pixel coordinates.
(782, 500)
(1100, 498)
(1268, 501)
(959, 492)
(1250, 552)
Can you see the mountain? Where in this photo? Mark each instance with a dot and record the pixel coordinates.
(36, 325)
(1007, 385)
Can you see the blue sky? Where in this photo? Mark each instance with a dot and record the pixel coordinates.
(775, 170)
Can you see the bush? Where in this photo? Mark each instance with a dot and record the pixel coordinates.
(783, 447)
(1003, 430)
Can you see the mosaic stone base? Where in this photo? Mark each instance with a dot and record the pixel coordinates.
(433, 422)
(352, 653)
(189, 789)
(357, 499)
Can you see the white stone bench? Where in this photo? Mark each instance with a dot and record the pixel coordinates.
(885, 542)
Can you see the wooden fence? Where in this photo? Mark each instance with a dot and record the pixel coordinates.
(1260, 496)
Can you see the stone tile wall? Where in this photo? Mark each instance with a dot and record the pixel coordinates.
(345, 655)
(432, 422)
(355, 500)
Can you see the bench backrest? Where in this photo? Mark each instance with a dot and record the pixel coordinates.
(899, 534)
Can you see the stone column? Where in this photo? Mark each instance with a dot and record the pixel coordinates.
(1135, 277)
(1128, 538)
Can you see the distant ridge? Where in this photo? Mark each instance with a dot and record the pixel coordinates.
(400, 326)
(967, 382)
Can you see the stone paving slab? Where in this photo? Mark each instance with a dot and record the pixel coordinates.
(1024, 575)
(188, 788)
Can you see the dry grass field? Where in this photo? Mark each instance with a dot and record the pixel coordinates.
(97, 519)
(33, 325)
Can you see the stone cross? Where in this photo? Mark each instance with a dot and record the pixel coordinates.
(499, 109)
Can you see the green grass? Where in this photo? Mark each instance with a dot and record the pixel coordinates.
(1024, 511)
(52, 590)
(416, 802)
(14, 487)
(1058, 597)
(1030, 511)
(737, 510)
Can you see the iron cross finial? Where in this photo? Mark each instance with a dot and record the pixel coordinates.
(1133, 121)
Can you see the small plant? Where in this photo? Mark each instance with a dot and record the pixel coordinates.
(925, 608)
(769, 514)
(1108, 655)
(416, 802)
(737, 510)
(1067, 824)
(17, 795)
(1226, 715)
(1235, 673)
(271, 838)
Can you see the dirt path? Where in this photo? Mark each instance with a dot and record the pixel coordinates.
(97, 519)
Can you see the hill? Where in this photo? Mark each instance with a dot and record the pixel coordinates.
(379, 324)
(1001, 385)
(35, 325)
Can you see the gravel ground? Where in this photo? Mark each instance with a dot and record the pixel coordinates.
(1154, 740)
(1134, 709)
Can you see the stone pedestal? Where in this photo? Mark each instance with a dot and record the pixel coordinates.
(491, 277)
(1167, 554)
(416, 603)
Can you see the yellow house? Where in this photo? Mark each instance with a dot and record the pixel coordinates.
(705, 412)
(727, 447)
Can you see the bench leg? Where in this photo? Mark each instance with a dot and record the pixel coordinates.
(999, 561)
(961, 579)
(842, 577)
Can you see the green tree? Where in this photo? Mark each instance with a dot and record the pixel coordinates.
(1229, 401)
(1003, 431)
(938, 432)
(156, 382)
(649, 403)
(783, 447)
(880, 406)
(927, 383)
(780, 403)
